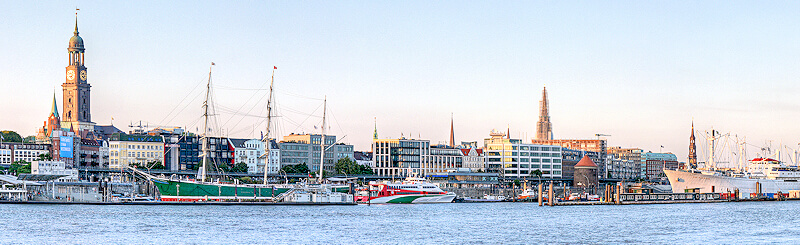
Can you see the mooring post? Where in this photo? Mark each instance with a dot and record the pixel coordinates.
(539, 194)
(550, 195)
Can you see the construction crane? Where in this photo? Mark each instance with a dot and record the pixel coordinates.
(598, 135)
(141, 127)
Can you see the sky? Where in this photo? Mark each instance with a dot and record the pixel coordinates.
(639, 71)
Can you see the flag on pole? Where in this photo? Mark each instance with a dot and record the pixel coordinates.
(212, 63)
(274, 67)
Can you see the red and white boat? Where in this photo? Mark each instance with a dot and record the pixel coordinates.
(412, 190)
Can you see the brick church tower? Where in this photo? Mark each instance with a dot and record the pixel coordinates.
(76, 115)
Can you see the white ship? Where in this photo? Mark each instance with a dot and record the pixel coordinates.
(412, 190)
(768, 175)
(761, 177)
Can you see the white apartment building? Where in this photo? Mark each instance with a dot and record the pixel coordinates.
(125, 150)
(473, 159)
(274, 160)
(251, 152)
(11, 152)
(512, 158)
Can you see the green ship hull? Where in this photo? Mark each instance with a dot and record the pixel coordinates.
(171, 190)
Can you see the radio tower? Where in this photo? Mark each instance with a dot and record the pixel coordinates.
(692, 151)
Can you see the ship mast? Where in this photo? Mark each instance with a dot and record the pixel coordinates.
(710, 162)
(269, 119)
(322, 140)
(204, 139)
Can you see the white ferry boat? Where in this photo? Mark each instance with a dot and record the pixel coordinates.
(412, 190)
(767, 174)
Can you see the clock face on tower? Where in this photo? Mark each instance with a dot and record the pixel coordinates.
(83, 75)
(70, 75)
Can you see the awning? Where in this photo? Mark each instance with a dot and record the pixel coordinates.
(40, 177)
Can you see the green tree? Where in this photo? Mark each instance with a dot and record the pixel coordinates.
(20, 167)
(537, 173)
(348, 166)
(30, 139)
(288, 169)
(246, 179)
(224, 167)
(45, 157)
(10, 136)
(240, 167)
(302, 168)
(366, 169)
(345, 166)
(296, 169)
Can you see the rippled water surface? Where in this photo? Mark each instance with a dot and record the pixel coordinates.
(457, 223)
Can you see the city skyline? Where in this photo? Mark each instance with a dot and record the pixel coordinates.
(640, 72)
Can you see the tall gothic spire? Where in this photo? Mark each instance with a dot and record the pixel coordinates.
(544, 130)
(54, 109)
(452, 138)
(692, 150)
(375, 133)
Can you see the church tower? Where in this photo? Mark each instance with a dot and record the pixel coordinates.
(452, 136)
(692, 151)
(544, 130)
(76, 100)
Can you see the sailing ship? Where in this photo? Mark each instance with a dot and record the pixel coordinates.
(203, 189)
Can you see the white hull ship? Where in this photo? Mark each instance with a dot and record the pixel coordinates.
(764, 176)
(412, 190)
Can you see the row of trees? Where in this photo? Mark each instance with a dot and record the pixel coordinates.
(11, 136)
(296, 169)
(347, 166)
(239, 167)
(343, 166)
(19, 167)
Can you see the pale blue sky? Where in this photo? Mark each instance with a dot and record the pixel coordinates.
(639, 71)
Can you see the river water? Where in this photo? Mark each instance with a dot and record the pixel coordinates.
(456, 223)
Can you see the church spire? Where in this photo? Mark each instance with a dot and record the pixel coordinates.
(452, 137)
(692, 151)
(375, 133)
(76, 24)
(544, 130)
(54, 109)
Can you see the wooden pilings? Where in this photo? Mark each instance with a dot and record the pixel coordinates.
(550, 195)
(539, 194)
(758, 189)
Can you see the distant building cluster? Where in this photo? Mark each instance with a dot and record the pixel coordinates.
(70, 140)
(584, 161)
